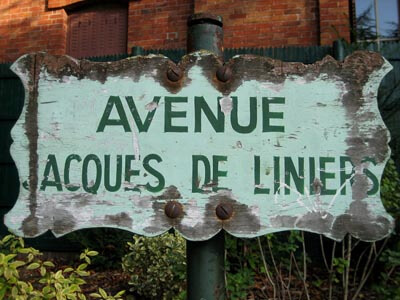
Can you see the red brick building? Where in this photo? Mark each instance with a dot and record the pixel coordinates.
(63, 26)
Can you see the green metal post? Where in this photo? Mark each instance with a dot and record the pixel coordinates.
(339, 50)
(205, 268)
(205, 33)
(137, 50)
(206, 259)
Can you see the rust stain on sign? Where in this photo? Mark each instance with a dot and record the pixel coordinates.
(253, 146)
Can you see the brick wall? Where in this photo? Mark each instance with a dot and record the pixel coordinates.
(26, 26)
(334, 20)
(34, 25)
(266, 23)
(51, 4)
(158, 23)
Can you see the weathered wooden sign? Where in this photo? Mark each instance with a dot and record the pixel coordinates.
(143, 145)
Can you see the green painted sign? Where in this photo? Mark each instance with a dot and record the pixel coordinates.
(275, 146)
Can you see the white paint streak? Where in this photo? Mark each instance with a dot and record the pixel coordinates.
(127, 184)
(255, 210)
(340, 189)
(18, 68)
(273, 86)
(151, 106)
(299, 80)
(299, 198)
(66, 79)
(226, 104)
(194, 215)
(91, 184)
(260, 186)
(136, 149)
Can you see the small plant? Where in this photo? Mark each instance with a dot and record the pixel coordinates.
(110, 243)
(239, 283)
(102, 294)
(240, 266)
(157, 266)
(390, 189)
(388, 285)
(50, 283)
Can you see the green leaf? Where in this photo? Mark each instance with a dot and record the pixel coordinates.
(33, 266)
(46, 290)
(42, 271)
(30, 257)
(24, 286)
(119, 294)
(49, 264)
(24, 250)
(81, 297)
(7, 273)
(67, 270)
(71, 296)
(7, 238)
(82, 267)
(92, 253)
(95, 295)
(75, 288)
(3, 291)
(58, 286)
(14, 292)
(58, 275)
(82, 273)
(16, 264)
(103, 293)
(79, 281)
(9, 257)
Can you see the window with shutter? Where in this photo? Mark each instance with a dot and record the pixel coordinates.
(97, 30)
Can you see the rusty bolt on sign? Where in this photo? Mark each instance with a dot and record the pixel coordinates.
(224, 211)
(174, 73)
(224, 73)
(173, 209)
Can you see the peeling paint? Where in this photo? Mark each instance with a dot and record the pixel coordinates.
(151, 106)
(226, 105)
(263, 142)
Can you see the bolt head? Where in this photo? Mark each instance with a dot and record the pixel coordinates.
(224, 73)
(174, 73)
(224, 211)
(173, 209)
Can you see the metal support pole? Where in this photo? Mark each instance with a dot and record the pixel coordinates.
(338, 50)
(206, 259)
(137, 50)
(205, 33)
(205, 268)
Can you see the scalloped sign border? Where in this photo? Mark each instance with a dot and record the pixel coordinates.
(285, 145)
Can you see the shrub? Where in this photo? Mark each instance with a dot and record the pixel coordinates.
(157, 266)
(388, 284)
(50, 283)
